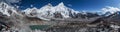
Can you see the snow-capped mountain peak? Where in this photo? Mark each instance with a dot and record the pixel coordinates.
(46, 7)
(61, 4)
(6, 9)
(49, 11)
(49, 4)
(109, 10)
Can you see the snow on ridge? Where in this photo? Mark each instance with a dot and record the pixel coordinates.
(49, 10)
(6, 9)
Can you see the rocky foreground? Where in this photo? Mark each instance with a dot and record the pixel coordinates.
(95, 24)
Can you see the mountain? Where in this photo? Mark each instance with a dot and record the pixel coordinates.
(7, 10)
(49, 11)
(20, 20)
(110, 10)
(9, 16)
(61, 11)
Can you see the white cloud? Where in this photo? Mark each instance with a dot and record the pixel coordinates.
(69, 5)
(110, 9)
(31, 5)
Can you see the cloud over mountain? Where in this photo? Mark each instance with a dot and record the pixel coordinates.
(110, 9)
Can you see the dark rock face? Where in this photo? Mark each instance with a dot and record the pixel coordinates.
(3, 25)
(57, 15)
(10, 12)
(87, 15)
(2, 15)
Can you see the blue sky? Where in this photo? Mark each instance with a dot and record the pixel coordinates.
(88, 5)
